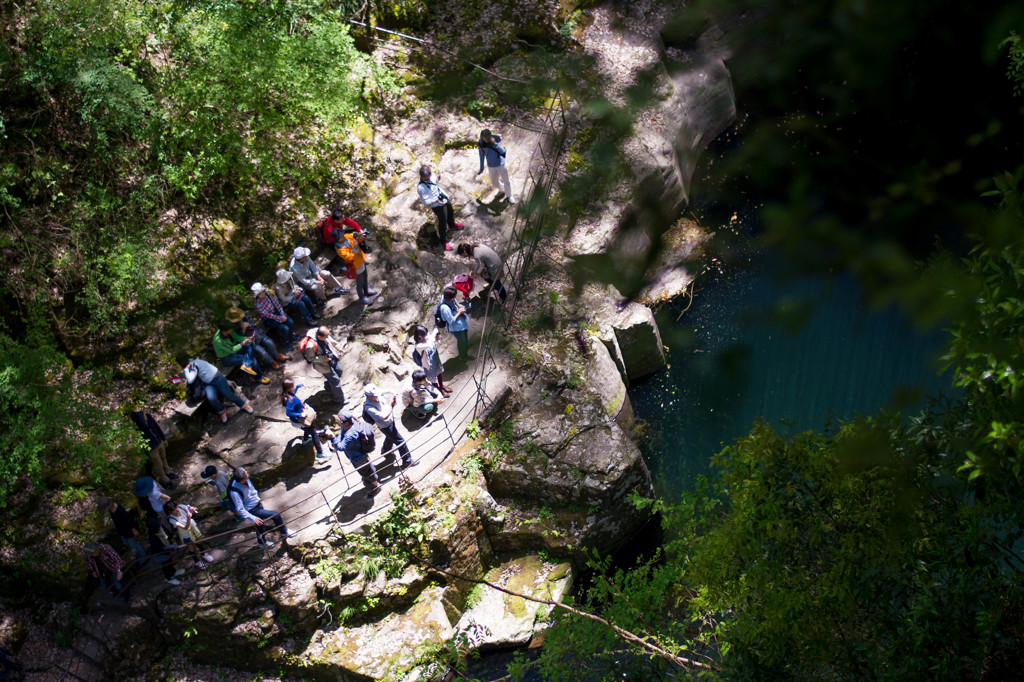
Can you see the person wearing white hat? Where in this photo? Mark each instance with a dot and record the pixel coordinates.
(293, 297)
(273, 315)
(380, 407)
(318, 282)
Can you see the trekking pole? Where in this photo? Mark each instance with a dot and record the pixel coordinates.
(329, 508)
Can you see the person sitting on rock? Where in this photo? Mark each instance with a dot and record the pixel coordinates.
(303, 416)
(320, 283)
(421, 398)
(104, 563)
(352, 250)
(321, 350)
(273, 315)
(214, 384)
(247, 502)
(487, 264)
(235, 350)
(293, 297)
(156, 441)
(349, 441)
(246, 327)
(427, 358)
(432, 195)
(380, 407)
(220, 480)
(189, 533)
(330, 229)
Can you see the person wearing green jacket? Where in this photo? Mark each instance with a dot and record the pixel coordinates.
(235, 350)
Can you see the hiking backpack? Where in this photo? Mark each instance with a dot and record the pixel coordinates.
(438, 319)
(367, 440)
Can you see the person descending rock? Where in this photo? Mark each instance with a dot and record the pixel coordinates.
(293, 297)
(456, 321)
(124, 525)
(246, 327)
(214, 384)
(273, 315)
(352, 249)
(321, 350)
(303, 416)
(317, 281)
(104, 563)
(426, 357)
(157, 443)
(235, 350)
(421, 398)
(162, 552)
(250, 507)
(488, 265)
(349, 440)
(493, 154)
(437, 199)
(380, 407)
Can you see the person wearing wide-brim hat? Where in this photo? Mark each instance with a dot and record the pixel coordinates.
(293, 297)
(247, 327)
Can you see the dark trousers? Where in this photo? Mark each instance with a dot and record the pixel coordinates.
(445, 220)
(283, 330)
(310, 432)
(497, 286)
(363, 284)
(368, 472)
(462, 341)
(260, 512)
(109, 581)
(393, 437)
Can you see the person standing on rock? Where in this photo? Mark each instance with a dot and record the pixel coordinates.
(124, 526)
(421, 399)
(487, 264)
(104, 563)
(349, 441)
(250, 507)
(425, 355)
(157, 442)
(456, 321)
(380, 407)
(214, 384)
(320, 283)
(493, 154)
(162, 552)
(352, 249)
(303, 416)
(246, 327)
(272, 314)
(437, 199)
(321, 350)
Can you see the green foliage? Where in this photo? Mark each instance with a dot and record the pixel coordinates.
(46, 407)
(1015, 53)
(473, 428)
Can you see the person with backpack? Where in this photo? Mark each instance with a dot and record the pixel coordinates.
(294, 298)
(456, 321)
(273, 315)
(303, 416)
(426, 357)
(380, 408)
(213, 384)
(157, 443)
(437, 199)
(320, 283)
(329, 230)
(352, 249)
(235, 350)
(320, 349)
(421, 399)
(487, 264)
(220, 480)
(246, 327)
(493, 153)
(357, 444)
(247, 501)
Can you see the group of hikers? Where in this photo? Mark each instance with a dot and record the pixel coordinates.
(301, 289)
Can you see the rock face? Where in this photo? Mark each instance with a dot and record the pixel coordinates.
(499, 620)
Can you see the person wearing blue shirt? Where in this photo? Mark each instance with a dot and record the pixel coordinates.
(348, 441)
(249, 506)
(492, 153)
(380, 407)
(302, 415)
(456, 321)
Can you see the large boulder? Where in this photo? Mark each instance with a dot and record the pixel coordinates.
(500, 620)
